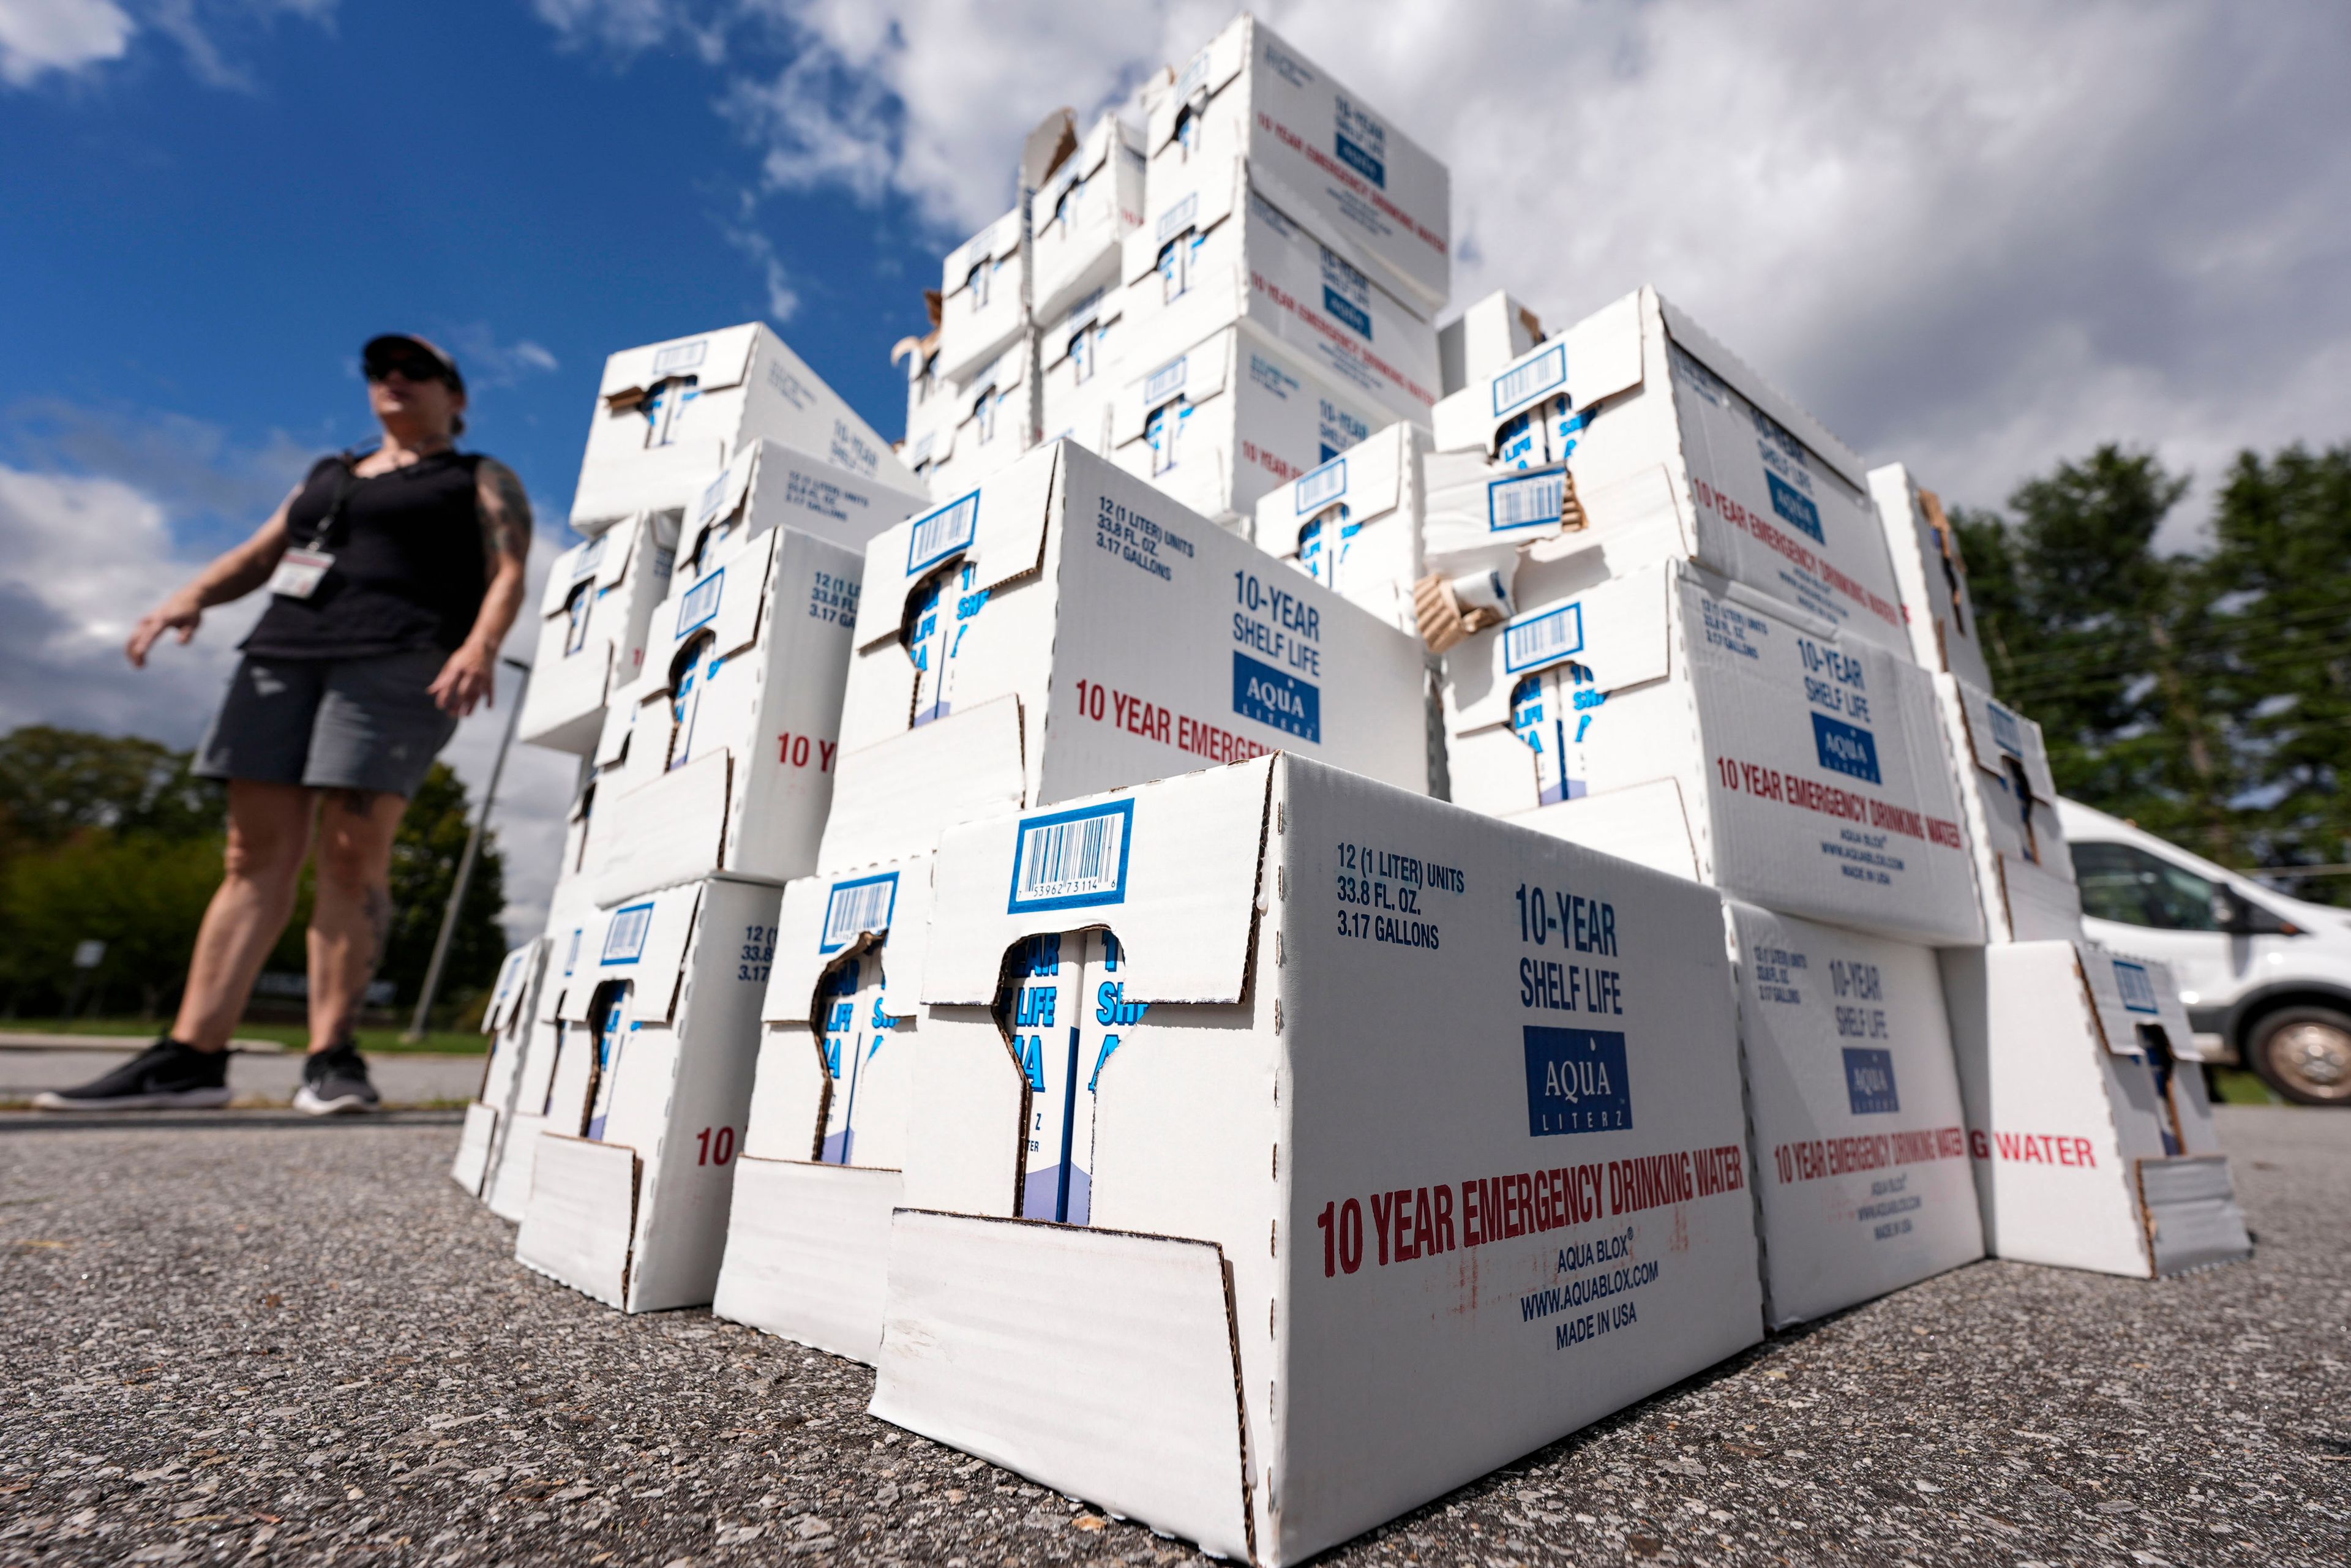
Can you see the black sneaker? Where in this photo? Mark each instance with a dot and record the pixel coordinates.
(335, 1081)
(166, 1076)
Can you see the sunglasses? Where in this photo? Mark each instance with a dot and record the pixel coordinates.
(413, 367)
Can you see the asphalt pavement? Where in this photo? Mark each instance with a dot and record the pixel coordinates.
(264, 1339)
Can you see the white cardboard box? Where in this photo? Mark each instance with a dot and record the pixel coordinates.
(1064, 629)
(505, 1186)
(1080, 353)
(1406, 1264)
(508, 1021)
(825, 1150)
(987, 421)
(1699, 726)
(1484, 338)
(1679, 452)
(722, 757)
(668, 415)
(1230, 418)
(2092, 1139)
(1220, 253)
(1081, 212)
(983, 298)
(1353, 524)
(1860, 1144)
(770, 486)
(1319, 152)
(629, 1204)
(592, 616)
(2025, 872)
(1945, 634)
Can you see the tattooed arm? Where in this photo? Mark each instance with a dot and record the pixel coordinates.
(470, 676)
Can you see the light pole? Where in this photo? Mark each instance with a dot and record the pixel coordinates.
(465, 861)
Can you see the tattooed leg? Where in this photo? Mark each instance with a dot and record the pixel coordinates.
(351, 920)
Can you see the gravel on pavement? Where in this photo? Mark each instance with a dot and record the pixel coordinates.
(263, 1340)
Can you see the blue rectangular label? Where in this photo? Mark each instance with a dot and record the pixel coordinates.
(624, 939)
(942, 533)
(2006, 732)
(854, 909)
(1794, 507)
(1070, 860)
(1526, 500)
(1166, 380)
(1576, 1081)
(1546, 372)
(1363, 162)
(1869, 1080)
(1543, 639)
(1271, 697)
(1322, 486)
(2136, 986)
(700, 604)
(1845, 749)
(1354, 317)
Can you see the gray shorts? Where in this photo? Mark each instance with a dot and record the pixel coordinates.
(331, 724)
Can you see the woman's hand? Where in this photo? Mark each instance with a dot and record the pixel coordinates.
(182, 613)
(468, 678)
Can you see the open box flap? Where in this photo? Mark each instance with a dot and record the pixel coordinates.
(620, 721)
(1367, 479)
(824, 916)
(971, 763)
(1196, 376)
(1621, 631)
(2116, 1022)
(998, 529)
(1996, 733)
(580, 974)
(1695, 341)
(565, 944)
(723, 497)
(727, 600)
(677, 829)
(1103, 308)
(1203, 77)
(716, 359)
(1597, 358)
(1034, 1346)
(643, 940)
(1171, 871)
(1202, 196)
(2148, 994)
(2042, 907)
(514, 979)
(583, 1215)
(585, 561)
(998, 239)
(1093, 151)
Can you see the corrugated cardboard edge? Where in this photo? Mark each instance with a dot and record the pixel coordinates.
(557, 1221)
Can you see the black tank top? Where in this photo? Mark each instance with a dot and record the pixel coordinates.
(410, 570)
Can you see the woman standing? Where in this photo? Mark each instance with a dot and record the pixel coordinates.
(393, 576)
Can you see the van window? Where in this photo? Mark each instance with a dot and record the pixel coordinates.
(2122, 882)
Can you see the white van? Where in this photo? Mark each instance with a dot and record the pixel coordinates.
(2266, 979)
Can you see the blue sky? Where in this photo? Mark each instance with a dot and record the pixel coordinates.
(1978, 239)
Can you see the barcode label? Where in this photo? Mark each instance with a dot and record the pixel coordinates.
(1072, 857)
(1193, 75)
(1323, 487)
(944, 532)
(712, 495)
(1547, 372)
(701, 603)
(1177, 219)
(1543, 639)
(1525, 501)
(1166, 382)
(680, 357)
(854, 909)
(591, 556)
(624, 939)
(2006, 733)
(2136, 986)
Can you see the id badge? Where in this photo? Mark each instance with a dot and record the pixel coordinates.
(300, 572)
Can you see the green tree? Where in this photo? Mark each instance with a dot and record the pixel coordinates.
(140, 894)
(2283, 562)
(57, 782)
(2105, 642)
(425, 859)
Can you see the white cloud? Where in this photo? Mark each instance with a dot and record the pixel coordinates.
(1978, 238)
(63, 35)
(487, 363)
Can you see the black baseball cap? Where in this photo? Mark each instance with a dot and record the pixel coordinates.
(401, 350)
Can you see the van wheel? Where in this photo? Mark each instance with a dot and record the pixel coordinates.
(2304, 1054)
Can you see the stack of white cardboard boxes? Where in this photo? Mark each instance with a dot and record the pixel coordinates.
(946, 970)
